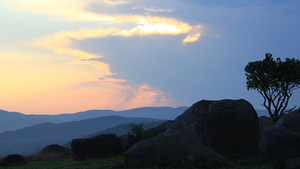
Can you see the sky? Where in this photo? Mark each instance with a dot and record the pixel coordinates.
(73, 55)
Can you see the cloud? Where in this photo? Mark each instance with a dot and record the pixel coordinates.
(61, 43)
(112, 3)
(194, 34)
(153, 9)
(148, 29)
(191, 38)
(71, 10)
(110, 89)
(105, 79)
(145, 95)
(75, 10)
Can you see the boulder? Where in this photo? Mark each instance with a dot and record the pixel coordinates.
(277, 164)
(276, 142)
(229, 127)
(291, 121)
(161, 128)
(126, 142)
(282, 139)
(172, 151)
(293, 163)
(96, 147)
(13, 159)
(265, 122)
(55, 149)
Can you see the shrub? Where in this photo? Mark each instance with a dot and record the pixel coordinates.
(138, 131)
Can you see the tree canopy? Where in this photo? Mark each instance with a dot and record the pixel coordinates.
(275, 80)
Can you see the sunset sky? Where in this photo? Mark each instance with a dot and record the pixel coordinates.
(66, 56)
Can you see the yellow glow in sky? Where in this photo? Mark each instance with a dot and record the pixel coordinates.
(192, 38)
(37, 85)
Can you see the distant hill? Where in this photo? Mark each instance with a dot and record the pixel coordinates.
(10, 121)
(29, 140)
(119, 130)
(29, 133)
(122, 129)
(262, 113)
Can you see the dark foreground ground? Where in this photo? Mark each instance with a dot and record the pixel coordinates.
(69, 163)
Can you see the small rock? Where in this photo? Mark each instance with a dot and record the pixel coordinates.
(101, 146)
(13, 159)
(55, 149)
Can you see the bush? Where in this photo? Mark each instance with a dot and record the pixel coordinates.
(138, 131)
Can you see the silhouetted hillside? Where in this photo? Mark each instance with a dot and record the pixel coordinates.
(10, 121)
(30, 139)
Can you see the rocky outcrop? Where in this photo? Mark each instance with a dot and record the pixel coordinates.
(96, 147)
(13, 159)
(276, 142)
(265, 122)
(291, 121)
(55, 149)
(282, 139)
(293, 163)
(161, 128)
(173, 151)
(229, 127)
(126, 142)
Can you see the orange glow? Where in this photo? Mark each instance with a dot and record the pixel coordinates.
(76, 82)
(192, 38)
(96, 95)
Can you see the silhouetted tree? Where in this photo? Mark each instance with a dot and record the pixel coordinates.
(138, 131)
(275, 80)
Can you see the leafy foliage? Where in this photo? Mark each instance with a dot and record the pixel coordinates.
(275, 80)
(138, 131)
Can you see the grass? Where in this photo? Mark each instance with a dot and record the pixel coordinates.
(65, 163)
(38, 162)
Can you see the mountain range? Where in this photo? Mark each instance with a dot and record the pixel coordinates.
(32, 139)
(10, 121)
(28, 134)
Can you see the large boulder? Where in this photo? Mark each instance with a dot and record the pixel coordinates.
(96, 147)
(172, 151)
(55, 149)
(13, 159)
(265, 122)
(160, 128)
(293, 163)
(229, 127)
(126, 142)
(276, 142)
(291, 121)
(282, 139)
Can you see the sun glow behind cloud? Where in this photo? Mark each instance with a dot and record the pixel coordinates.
(106, 91)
